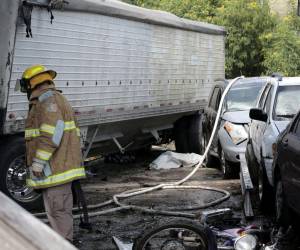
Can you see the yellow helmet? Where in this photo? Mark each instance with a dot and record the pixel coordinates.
(36, 75)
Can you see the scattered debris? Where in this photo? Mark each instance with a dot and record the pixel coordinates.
(121, 245)
(169, 160)
(120, 158)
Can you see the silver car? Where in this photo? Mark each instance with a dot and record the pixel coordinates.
(233, 131)
(276, 106)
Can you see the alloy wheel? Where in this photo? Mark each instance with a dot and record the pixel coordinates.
(16, 181)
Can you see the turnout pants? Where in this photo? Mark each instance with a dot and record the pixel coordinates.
(58, 203)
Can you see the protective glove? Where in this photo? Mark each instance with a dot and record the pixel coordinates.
(37, 167)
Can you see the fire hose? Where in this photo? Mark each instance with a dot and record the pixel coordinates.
(164, 186)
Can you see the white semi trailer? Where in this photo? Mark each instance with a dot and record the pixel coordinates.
(133, 76)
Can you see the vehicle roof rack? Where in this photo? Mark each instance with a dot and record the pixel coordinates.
(277, 75)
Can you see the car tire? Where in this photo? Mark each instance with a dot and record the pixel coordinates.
(252, 164)
(205, 234)
(230, 170)
(12, 167)
(262, 193)
(265, 192)
(253, 168)
(181, 135)
(210, 160)
(282, 211)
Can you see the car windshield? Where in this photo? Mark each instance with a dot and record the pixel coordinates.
(287, 102)
(243, 96)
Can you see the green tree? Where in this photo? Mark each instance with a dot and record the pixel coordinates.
(246, 21)
(201, 10)
(281, 48)
(151, 4)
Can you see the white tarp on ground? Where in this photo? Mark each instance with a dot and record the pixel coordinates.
(168, 160)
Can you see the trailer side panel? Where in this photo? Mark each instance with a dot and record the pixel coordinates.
(114, 69)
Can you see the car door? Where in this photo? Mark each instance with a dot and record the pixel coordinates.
(257, 127)
(212, 112)
(290, 168)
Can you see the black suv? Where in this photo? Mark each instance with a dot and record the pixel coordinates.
(286, 172)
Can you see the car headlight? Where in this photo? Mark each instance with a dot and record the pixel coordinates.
(237, 133)
(245, 242)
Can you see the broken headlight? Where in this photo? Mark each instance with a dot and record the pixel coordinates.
(236, 132)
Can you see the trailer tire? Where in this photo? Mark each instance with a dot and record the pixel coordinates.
(13, 169)
(196, 141)
(181, 136)
(204, 233)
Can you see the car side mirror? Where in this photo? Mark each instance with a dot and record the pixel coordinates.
(258, 114)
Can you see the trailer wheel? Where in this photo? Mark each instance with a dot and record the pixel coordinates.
(196, 140)
(178, 234)
(181, 135)
(13, 175)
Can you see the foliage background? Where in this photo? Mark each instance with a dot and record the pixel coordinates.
(258, 42)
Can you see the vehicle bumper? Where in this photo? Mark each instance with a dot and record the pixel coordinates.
(231, 150)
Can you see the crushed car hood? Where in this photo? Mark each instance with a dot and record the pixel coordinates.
(281, 125)
(237, 116)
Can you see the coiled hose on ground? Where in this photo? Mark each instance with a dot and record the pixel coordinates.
(116, 199)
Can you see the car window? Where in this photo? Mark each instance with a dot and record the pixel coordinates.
(267, 106)
(287, 102)
(263, 97)
(215, 98)
(243, 95)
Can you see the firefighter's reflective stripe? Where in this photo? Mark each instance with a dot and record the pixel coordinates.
(57, 179)
(47, 129)
(43, 155)
(70, 125)
(32, 133)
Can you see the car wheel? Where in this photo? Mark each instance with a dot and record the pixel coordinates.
(282, 210)
(13, 176)
(252, 164)
(181, 135)
(229, 170)
(210, 160)
(265, 192)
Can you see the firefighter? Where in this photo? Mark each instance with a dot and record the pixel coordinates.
(53, 153)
